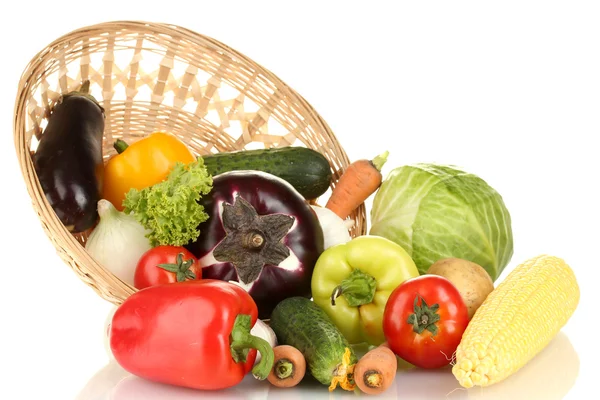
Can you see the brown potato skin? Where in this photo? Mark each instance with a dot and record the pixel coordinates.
(472, 281)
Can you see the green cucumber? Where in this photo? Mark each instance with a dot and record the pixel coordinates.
(299, 322)
(307, 170)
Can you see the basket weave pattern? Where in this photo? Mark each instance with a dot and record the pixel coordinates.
(157, 77)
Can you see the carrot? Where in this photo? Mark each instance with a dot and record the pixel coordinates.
(289, 367)
(376, 370)
(360, 180)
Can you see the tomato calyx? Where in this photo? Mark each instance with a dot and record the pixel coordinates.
(181, 268)
(424, 317)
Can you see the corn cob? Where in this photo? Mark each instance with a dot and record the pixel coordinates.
(516, 321)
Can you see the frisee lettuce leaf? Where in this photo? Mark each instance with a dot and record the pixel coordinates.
(171, 209)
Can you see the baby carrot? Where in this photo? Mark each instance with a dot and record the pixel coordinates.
(360, 180)
(289, 367)
(376, 370)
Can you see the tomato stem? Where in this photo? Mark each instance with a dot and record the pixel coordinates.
(424, 316)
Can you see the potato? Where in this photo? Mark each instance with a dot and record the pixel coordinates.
(472, 281)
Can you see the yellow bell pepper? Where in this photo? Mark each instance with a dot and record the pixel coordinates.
(145, 163)
(352, 282)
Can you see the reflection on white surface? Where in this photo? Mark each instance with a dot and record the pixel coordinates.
(549, 376)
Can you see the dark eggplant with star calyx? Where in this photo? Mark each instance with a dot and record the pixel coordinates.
(260, 233)
(68, 160)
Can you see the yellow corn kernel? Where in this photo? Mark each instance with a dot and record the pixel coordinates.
(516, 321)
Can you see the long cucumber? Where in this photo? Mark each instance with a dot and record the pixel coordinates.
(307, 170)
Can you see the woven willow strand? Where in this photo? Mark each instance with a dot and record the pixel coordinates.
(150, 77)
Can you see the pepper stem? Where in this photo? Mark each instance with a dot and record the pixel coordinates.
(284, 368)
(358, 288)
(380, 160)
(120, 146)
(242, 341)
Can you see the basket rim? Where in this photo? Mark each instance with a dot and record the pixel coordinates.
(147, 27)
(77, 252)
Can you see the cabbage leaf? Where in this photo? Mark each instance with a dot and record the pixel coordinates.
(438, 211)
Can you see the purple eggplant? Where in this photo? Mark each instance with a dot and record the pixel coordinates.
(260, 233)
(68, 160)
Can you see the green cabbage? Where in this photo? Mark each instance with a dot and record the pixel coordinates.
(437, 211)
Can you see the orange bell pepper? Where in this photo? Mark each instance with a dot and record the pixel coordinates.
(145, 163)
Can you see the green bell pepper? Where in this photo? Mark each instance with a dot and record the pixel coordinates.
(352, 281)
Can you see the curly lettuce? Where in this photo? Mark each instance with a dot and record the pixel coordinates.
(171, 209)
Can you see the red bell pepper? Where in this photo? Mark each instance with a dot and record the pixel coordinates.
(194, 334)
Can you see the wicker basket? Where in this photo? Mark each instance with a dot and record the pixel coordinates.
(149, 77)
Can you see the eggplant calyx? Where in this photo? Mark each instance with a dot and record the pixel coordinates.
(83, 91)
(252, 240)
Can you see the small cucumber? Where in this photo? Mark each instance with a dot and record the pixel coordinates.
(307, 170)
(299, 322)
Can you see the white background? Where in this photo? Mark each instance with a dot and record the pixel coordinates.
(509, 91)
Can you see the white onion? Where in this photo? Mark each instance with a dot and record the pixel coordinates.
(335, 229)
(118, 241)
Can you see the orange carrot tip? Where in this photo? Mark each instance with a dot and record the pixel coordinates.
(288, 368)
(376, 370)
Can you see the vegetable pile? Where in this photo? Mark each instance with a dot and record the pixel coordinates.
(239, 269)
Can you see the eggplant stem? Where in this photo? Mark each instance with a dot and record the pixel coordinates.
(85, 87)
(253, 240)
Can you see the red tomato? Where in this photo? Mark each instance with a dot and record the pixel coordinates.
(424, 319)
(166, 264)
